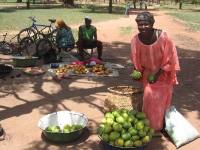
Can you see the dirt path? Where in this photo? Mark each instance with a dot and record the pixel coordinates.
(25, 100)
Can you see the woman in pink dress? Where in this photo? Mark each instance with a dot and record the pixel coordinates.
(154, 54)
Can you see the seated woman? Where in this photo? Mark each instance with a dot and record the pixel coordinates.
(64, 37)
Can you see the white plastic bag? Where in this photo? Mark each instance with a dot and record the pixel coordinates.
(178, 128)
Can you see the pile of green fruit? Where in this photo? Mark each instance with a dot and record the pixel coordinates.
(125, 128)
(66, 129)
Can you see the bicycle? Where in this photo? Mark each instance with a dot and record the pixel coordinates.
(33, 32)
(9, 48)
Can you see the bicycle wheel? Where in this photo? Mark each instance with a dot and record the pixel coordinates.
(25, 42)
(5, 48)
(43, 46)
(27, 32)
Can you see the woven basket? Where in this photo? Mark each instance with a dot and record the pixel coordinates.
(124, 97)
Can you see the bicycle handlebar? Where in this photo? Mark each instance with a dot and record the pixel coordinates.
(32, 18)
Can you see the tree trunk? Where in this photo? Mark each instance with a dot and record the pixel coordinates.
(19, 1)
(28, 4)
(69, 2)
(110, 6)
(134, 3)
(180, 4)
(33, 1)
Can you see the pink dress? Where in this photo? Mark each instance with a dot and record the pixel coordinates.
(149, 59)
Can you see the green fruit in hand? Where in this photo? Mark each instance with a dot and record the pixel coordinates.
(151, 78)
(115, 113)
(136, 75)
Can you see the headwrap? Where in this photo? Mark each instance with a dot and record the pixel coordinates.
(145, 16)
(61, 24)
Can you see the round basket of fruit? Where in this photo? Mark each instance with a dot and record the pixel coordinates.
(125, 129)
(63, 126)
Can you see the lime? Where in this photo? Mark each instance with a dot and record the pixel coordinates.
(120, 119)
(141, 133)
(132, 112)
(140, 115)
(115, 113)
(105, 137)
(135, 138)
(103, 120)
(107, 128)
(117, 127)
(125, 115)
(139, 125)
(128, 143)
(109, 115)
(109, 121)
(132, 131)
(126, 125)
(126, 136)
(119, 142)
(146, 139)
(146, 129)
(137, 143)
(146, 122)
(113, 136)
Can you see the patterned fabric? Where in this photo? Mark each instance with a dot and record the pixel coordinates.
(149, 59)
(64, 38)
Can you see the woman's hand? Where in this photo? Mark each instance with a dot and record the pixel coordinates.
(152, 78)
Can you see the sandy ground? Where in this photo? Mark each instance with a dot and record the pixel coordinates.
(24, 100)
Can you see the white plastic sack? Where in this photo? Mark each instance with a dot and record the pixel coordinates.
(178, 128)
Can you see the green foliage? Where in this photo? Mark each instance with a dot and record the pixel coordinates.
(10, 17)
(189, 14)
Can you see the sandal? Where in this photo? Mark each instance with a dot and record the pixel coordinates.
(157, 134)
(2, 134)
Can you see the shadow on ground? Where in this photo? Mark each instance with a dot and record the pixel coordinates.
(186, 94)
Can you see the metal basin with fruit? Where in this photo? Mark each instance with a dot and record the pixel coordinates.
(123, 129)
(63, 126)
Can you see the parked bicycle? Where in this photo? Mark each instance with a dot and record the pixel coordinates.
(9, 48)
(36, 31)
(47, 43)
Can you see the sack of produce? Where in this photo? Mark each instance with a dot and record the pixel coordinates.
(178, 128)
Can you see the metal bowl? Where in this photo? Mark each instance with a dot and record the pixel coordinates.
(21, 61)
(62, 118)
(5, 69)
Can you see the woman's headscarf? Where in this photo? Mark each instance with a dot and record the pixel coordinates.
(61, 24)
(145, 16)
